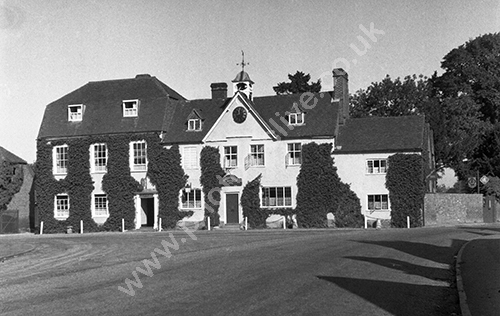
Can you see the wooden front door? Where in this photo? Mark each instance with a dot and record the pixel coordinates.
(232, 208)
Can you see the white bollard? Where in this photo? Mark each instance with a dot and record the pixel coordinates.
(366, 222)
(123, 225)
(246, 223)
(408, 221)
(159, 224)
(284, 222)
(41, 228)
(81, 226)
(208, 222)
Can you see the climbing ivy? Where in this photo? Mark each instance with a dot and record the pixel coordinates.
(405, 182)
(210, 179)
(320, 190)
(250, 203)
(167, 175)
(117, 183)
(11, 180)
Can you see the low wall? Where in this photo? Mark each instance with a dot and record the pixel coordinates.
(451, 209)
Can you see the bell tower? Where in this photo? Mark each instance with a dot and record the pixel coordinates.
(242, 82)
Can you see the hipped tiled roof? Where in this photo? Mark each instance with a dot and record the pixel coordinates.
(381, 134)
(103, 108)
(320, 120)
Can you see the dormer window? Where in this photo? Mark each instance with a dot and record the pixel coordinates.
(296, 118)
(130, 108)
(194, 125)
(75, 113)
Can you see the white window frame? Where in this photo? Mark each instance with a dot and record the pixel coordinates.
(268, 201)
(374, 166)
(194, 125)
(141, 166)
(130, 112)
(190, 157)
(75, 116)
(296, 118)
(231, 156)
(294, 155)
(58, 167)
(95, 162)
(95, 204)
(61, 211)
(189, 199)
(256, 153)
(381, 206)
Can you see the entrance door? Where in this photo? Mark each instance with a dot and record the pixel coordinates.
(148, 211)
(232, 209)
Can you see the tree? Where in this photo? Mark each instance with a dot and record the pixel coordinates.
(299, 83)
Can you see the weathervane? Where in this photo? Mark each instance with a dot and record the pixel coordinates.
(243, 63)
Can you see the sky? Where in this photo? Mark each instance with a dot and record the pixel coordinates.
(49, 48)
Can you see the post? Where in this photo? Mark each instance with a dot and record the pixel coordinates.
(366, 222)
(123, 225)
(159, 224)
(41, 228)
(284, 222)
(478, 181)
(81, 226)
(408, 221)
(208, 222)
(246, 223)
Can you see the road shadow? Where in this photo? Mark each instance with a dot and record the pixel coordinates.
(400, 299)
(483, 231)
(408, 268)
(430, 252)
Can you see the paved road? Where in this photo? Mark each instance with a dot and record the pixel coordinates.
(330, 272)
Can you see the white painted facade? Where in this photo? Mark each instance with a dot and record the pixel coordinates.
(276, 172)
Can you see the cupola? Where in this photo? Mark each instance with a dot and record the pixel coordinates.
(243, 83)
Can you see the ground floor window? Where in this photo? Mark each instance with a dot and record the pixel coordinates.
(191, 198)
(61, 205)
(101, 205)
(378, 202)
(276, 196)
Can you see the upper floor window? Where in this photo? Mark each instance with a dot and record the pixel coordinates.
(190, 157)
(296, 118)
(61, 206)
(276, 196)
(294, 156)
(378, 202)
(230, 156)
(75, 113)
(60, 159)
(194, 125)
(130, 108)
(138, 156)
(374, 166)
(256, 155)
(99, 154)
(101, 205)
(191, 199)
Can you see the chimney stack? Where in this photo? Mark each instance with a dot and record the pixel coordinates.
(219, 90)
(341, 92)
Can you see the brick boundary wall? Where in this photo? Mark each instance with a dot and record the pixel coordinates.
(452, 209)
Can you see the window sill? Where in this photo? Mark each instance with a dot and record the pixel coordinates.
(295, 165)
(100, 216)
(271, 207)
(61, 218)
(98, 172)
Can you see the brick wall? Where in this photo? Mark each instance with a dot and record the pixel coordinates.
(452, 209)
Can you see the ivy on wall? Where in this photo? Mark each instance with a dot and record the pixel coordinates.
(405, 182)
(320, 190)
(11, 180)
(166, 173)
(250, 203)
(117, 183)
(210, 181)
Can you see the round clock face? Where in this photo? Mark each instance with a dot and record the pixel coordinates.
(239, 114)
